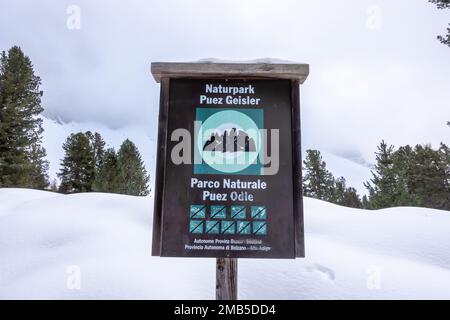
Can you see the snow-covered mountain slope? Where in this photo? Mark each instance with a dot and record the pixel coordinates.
(354, 173)
(47, 240)
(56, 133)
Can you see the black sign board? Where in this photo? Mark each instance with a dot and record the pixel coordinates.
(228, 177)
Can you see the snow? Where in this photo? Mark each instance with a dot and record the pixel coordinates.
(351, 254)
(254, 61)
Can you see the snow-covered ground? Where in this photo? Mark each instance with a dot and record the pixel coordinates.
(47, 240)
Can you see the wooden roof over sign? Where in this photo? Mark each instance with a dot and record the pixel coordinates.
(265, 70)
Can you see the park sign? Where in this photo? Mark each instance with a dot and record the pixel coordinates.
(228, 171)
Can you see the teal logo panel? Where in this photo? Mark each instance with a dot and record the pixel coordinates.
(229, 141)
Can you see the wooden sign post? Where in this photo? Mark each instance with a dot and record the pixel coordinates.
(226, 278)
(228, 171)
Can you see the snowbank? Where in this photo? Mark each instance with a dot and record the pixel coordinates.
(46, 238)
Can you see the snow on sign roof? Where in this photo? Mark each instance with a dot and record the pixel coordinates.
(213, 68)
(261, 60)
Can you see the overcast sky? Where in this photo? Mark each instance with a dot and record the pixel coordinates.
(377, 70)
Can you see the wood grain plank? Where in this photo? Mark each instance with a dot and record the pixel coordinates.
(208, 70)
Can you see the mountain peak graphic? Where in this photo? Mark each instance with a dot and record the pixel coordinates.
(233, 141)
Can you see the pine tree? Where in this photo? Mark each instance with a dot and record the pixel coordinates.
(429, 178)
(318, 182)
(22, 157)
(107, 177)
(345, 196)
(444, 154)
(98, 147)
(403, 193)
(443, 4)
(352, 199)
(411, 177)
(133, 178)
(77, 171)
(339, 191)
(381, 190)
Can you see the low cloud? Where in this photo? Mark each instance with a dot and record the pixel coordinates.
(375, 72)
